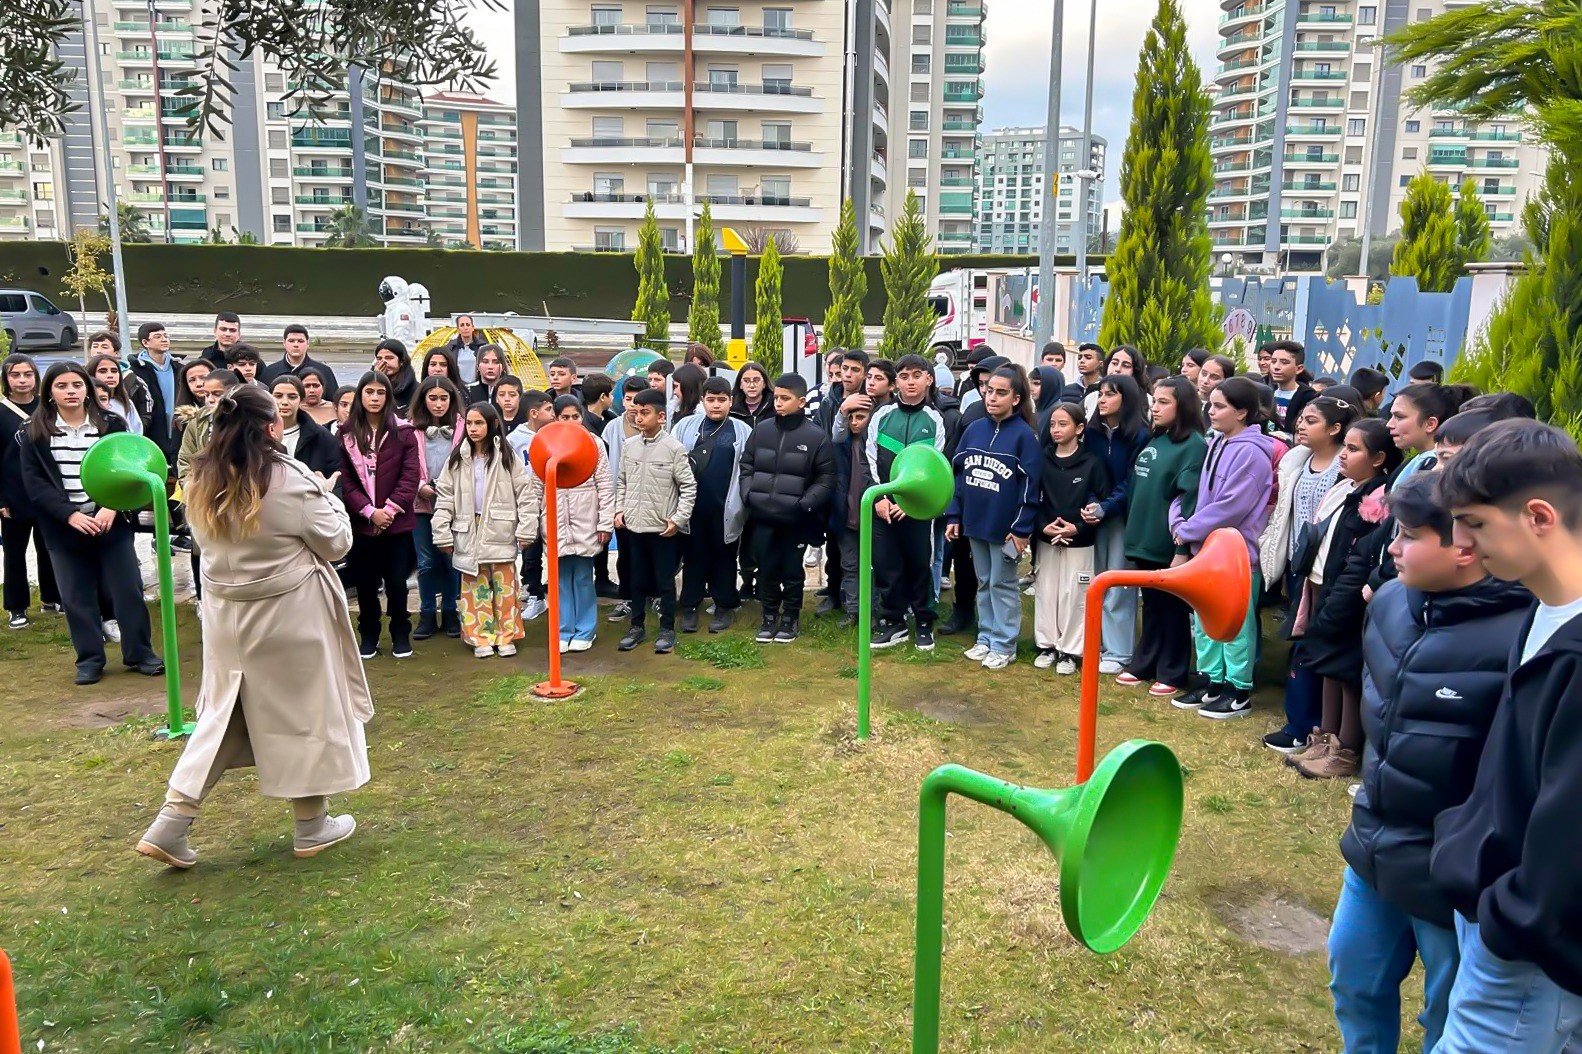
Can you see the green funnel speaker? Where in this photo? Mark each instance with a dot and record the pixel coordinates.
(1115, 837)
(921, 483)
(127, 472)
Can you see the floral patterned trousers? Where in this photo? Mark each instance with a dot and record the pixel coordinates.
(490, 613)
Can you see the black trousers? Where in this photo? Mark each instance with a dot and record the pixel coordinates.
(709, 563)
(833, 571)
(601, 567)
(653, 567)
(14, 539)
(903, 570)
(104, 566)
(781, 578)
(1164, 653)
(747, 556)
(623, 563)
(382, 560)
(533, 570)
(963, 579)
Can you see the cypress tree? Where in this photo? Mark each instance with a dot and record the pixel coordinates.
(1474, 236)
(703, 320)
(653, 296)
(907, 267)
(768, 330)
(1428, 249)
(1159, 296)
(848, 284)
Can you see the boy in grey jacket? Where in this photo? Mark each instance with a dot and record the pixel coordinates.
(654, 494)
(714, 442)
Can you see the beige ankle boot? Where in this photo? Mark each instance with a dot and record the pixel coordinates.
(166, 840)
(316, 835)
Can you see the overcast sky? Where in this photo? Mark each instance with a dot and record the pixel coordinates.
(1018, 62)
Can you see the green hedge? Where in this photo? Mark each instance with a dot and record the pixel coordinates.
(272, 280)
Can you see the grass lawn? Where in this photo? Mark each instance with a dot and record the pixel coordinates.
(692, 855)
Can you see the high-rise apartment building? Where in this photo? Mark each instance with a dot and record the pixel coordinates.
(1010, 201)
(1312, 139)
(469, 172)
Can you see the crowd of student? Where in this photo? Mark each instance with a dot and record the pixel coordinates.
(1400, 621)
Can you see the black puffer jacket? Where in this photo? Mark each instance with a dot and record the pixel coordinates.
(1332, 643)
(1434, 669)
(788, 473)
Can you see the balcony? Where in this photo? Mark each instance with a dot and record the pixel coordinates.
(13, 197)
(1300, 160)
(964, 95)
(1501, 217)
(1308, 188)
(406, 134)
(1239, 64)
(1316, 76)
(163, 26)
(315, 139)
(774, 97)
(158, 198)
(1449, 133)
(1325, 46)
(1321, 18)
(1307, 130)
(180, 172)
(1497, 192)
(1230, 238)
(1307, 214)
(1493, 162)
(962, 37)
(1317, 104)
(1447, 159)
(952, 207)
(732, 207)
(325, 202)
(1496, 137)
(313, 228)
(399, 104)
(13, 223)
(955, 237)
(630, 37)
(961, 9)
(1298, 240)
(1241, 14)
(1239, 43)
(145, 57)
(877, 170)
(326, 172)
(1230, 142)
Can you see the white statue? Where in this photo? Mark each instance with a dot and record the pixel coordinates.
(401, 315)
(417, 292)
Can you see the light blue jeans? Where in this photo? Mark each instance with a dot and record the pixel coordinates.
(1119, 638)
(999, 597)
(579, 603)
(941, 548)
(435, 576)
(1372, 945)
(1509, 1007)
(1230, 662)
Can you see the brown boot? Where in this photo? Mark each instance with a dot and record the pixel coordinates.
(1338, 763)
(1317, 747)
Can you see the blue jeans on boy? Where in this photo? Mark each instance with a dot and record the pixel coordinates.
(1304, 689)
(999, 597)
(435, 575)
(1510, 1007)
(1372, 945)
(579, 602)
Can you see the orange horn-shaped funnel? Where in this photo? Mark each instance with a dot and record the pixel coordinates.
(1217, 583)
(570, 447)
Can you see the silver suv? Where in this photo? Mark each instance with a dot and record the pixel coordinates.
(33, 323)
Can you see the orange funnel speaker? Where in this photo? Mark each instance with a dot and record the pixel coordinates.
(563, 454)
(1217, 583)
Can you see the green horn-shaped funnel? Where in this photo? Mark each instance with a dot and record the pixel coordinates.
(1115, 837)
(921, 483)
(125, 472)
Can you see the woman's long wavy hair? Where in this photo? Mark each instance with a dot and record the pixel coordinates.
(229, 478)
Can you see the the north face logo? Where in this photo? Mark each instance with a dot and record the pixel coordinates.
(801, 448)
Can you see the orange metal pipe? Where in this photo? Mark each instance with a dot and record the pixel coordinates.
(10, 1031)
(554, 688)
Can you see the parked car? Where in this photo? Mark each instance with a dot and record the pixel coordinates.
(32, 323)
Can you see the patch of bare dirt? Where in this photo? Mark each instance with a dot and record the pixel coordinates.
(106, 711)
(949, 707)
(1272, 921)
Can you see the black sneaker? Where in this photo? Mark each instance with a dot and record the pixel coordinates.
(923, 640)
(888, 634)
(607, 591)
(1284, 743)
(958, 622)
(634, 636)
(368, 647)
(689, 621)
(1233, 702)
(450, 624)
(665, 643)
(723, 617)
(401, 644)
(1196, 697)
(426, 627)
(620, 612)
(788, 631)
(766, 630)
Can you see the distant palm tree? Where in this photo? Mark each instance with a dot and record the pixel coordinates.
(134, 225)
(349, 228)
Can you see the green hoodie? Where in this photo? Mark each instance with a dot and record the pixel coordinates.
(1164, 471)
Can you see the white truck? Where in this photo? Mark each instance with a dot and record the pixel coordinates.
(963, 310)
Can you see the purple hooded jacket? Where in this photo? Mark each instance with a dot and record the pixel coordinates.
(1233, 491)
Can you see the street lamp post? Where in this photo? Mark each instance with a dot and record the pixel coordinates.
(97, 73)
(1045, 322)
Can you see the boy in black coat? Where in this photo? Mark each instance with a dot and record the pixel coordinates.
(788, 473)
(1508, 859)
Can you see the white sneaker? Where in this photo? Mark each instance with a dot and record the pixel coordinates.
(1110, 666)
(1046, 659)
(506, 650)
(111, 630)
(533, 607)
(1028, 591)
(483, 651)
(565, 646)
(1066, 667)
(976, 653)
(998, 660)
(814, 557)
(581, 645)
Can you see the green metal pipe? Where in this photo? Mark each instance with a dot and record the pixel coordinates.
(865, 601)
(175, 726)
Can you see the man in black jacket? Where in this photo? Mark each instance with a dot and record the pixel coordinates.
(787, 479)
(156, 367)
(1434, 658)
(848, 393)
(294, 357)
(227, 334)
(1507, 859)
(1090, 373)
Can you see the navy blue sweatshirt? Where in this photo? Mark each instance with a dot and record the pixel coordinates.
(997, 471)
(1119, 452)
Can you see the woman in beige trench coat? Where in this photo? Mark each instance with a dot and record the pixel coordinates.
(283, 687)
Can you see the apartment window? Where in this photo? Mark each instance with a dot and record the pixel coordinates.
(1363, 71)
(724, 16)
(917, 121)
(1419, 72)
(920, 91)
(777, 77)
(46, 191)
(1359, 100)
(722, 77)
(1351, 182)
(274, 82)
(606, 16)
(722, 186)
(1444, 126)
(222, 194)
(1348, 210)
(280, 195)
(777, 20)
(923, 35)
(663, 16)
(775, 190)
(1424, 14)
(1353, 155)
(777, 133)
(661, 184)
(1356, 126)
(275, 111)
(922, 7)
(278, 167)
(282, 224)
(605, 71)
(1490, 186)
(1414, 126)
(1367, 16)
(663, 130)
(609, 239)
(608, 128)
(608, 183)
(222, 220)
(662, 73)
(922, 63)
(670, 239)
(1405, 180)
(277, 139)
(722, 131)
(220, 164)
